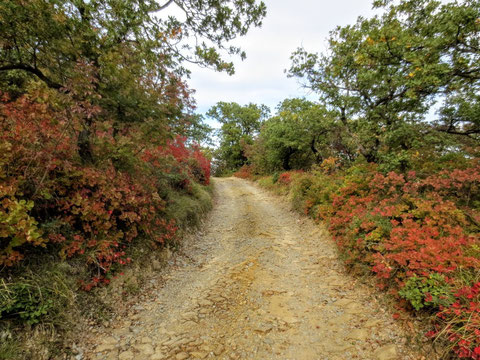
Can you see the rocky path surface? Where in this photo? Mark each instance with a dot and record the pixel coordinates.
(260, 282)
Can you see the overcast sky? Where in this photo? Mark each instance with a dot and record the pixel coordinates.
(261, 78)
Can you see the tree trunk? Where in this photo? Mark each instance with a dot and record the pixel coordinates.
(318, 157)
(286, 159)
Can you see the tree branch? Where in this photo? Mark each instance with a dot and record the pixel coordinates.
(164, 6)
(453, 130)
(50, 83)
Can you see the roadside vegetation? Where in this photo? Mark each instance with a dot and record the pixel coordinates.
(388, 157)
(102, 162)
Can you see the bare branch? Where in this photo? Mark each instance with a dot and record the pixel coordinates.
(167, 4)
(50, 83)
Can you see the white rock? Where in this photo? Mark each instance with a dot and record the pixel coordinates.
(387, 352)
(126, 355)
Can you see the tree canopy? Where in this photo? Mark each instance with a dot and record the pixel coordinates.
(239, 126)
(382, 75)
(98, 135)
(132, 51)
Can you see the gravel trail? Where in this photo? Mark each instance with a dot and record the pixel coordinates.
(260, 282)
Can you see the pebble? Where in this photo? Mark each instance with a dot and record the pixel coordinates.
(158, 356)
(156, 265)
(219, 350)
(263, 328)
(358, 334)
(199, 355)
(146, 340)
(104, 347)
(205, 302)
(126, 355)
(192, 316)
(387, 352)
(146, 349)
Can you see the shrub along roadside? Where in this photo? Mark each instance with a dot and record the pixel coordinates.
(69, 224)
(418, 235)
(44, 308)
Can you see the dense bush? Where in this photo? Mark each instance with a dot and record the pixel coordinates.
(245, 172)
(51, 198)
(418, 235)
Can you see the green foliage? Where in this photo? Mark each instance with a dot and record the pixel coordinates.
(239, 126)
(266, 182)
(311, 193)
(189, 209)
(136, 49)
(17, 227)
(275, 177)
(9, 350)
(432, 291)
(381, 75)
(293, 139)
(38, 297)
(26, 301)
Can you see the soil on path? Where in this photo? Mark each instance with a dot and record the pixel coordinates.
(260, 282)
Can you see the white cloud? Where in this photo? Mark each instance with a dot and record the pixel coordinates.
(288, 25)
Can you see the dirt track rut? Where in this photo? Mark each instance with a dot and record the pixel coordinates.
(260, 282)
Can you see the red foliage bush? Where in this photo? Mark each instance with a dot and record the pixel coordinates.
(285, 178)
(50, 197)
(463, 322)
(405, 228)
(245, 172)
(201, 166)
(187, 162)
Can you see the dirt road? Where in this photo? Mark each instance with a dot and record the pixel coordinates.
(261, 282)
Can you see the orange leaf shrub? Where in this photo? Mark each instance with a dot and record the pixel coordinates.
(245, 172)
(50, 197)
(285, 178)
(418, 235)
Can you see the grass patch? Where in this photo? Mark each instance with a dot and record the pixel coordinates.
(37, 302)
(189, 209)
(9, 349)
(42, 308)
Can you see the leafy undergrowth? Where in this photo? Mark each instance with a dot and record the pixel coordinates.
(74, 214)
(418, 234)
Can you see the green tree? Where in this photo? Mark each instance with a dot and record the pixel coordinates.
(47, 37)
(294, 137)
(129, 55)
(383, 74)
(239, 125)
